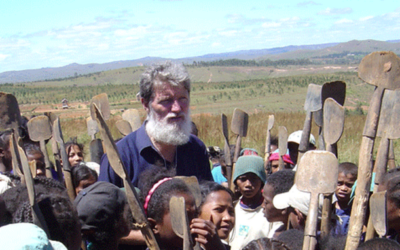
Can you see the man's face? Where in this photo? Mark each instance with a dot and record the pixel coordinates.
(168, 115)
(170, 103)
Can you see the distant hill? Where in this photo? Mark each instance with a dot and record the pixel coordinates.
(349, 52)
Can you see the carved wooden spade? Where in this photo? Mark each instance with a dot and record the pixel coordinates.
(132, 116)
(39, 129)
(283, 137)
(117, 165)
(381, 69)
(123, 127)
(377, 205)
(312, 104)
(95, 146)
(271, 121)
(179, 221)
(227, 150)
(333, 129)
(317, 174)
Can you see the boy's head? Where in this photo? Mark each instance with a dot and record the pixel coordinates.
(249, 176)
(277, 183)
(346, 178)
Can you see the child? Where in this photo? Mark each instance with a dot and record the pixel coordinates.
(156, 189)
(74, 152)
(249, 178)
(277, 183)
(217, 204)
(274, 162)
(83, 177)
(346, 178)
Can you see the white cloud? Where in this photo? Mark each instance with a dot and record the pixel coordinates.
(344, 21)
(3, 56)
(228, 33)
(335, 11)
(366, 18)
(215, 44)
(271, 25)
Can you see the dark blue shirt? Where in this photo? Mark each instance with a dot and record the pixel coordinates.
(138, 153)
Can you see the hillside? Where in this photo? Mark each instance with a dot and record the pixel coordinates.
(331, 53)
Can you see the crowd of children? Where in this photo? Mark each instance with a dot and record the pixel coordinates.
(265, 211)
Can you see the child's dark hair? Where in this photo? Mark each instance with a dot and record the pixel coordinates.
(348, 168)
(292, 238)
(266, 244)
(82, 172)
(281, 181)
(159, 202)
(274, 140)
(73, 142)
(379, 243)
(5, 139)
(208, 187)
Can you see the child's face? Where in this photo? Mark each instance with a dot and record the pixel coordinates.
(75, 155)
(84, 184)
(219, 206)
(344, 185)
(164, 230)
(40, 166)
(270, 212)
(249, 185)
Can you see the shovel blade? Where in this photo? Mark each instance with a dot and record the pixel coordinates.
(92, 127)
(96, 150)
(39, 128)
(10, 115)
(102, 104)
(194, 187)
(377, 204)
(317, 172)
(227, 150)
(393, 131)
(333, 121)
(381, 69)
(335, 90)
(123, 127)
(271, 121)
(313, 99)
(179, 220)
(240, 121)
(133, 117)
(283, 137)
(388, 101)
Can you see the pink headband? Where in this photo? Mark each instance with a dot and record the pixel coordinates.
(286, 158)
(151, 192)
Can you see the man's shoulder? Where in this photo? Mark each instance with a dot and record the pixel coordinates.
(194, 141)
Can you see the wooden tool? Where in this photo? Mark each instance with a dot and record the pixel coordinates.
(227, 151)
(132, 116)
(271, 121)
(283, 137)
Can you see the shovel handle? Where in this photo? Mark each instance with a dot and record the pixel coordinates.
(267, 147)
(371, 122)
(46, 159)
(326, 215)
(310, 231)
(305, 137)
(237, 148)
(321, 139)
(391, 159)
(381, 160)
(69, 185)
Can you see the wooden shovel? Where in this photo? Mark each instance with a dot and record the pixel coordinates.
(180, 222)
(335, 90)
(10, 115)
(377, 205)
(57, 135)
(95, 146)
(16, 160)
(227, 151)
(38, 218)
(123, 127)
(317, 174)
(56, 152)
(333, 129)
(382, 70)
(117, 165)
(283, 137)
(102, 104)
(313, 103)
(194, 187)
(271, 121)
(240, 120)
(132, 116)
(39, 129)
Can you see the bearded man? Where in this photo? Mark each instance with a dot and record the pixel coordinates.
(164, 139)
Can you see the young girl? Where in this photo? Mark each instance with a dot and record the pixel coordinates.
(74, 152)
(157, 188)
(217, 204)
(83, 177)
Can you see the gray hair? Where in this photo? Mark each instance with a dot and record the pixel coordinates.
(170, 72)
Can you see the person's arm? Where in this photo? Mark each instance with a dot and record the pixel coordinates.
(135, 237)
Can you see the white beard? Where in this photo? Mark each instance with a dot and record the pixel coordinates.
(169, 133)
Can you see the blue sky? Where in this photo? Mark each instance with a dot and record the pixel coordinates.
(52, 33)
